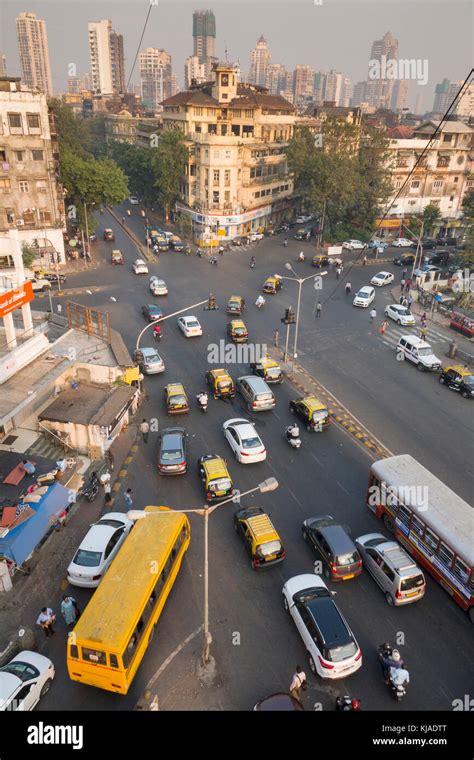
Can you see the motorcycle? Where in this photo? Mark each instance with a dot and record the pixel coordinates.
(202, 400)
(346, 704)
(91, 489)
(260, 302)
(213, 260)
(252, 264)
(157, 334)
(199, 253)
(187, 249)
(293, 439)
(397, 690)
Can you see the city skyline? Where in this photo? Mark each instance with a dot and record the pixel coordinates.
(170, 28)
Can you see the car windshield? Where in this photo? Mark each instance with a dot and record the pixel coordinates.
(251, 443)
(339, 654)
(404, 312)
(271, 547)
(416, 581)
(362, 294)
(425, 351)
(468, 380)
(87, 558)
(170, 455)
(23, 670)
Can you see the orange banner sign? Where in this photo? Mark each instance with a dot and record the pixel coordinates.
(15, 298)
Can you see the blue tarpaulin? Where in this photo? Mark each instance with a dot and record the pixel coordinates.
(21, 541)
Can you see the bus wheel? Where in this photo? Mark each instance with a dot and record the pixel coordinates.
(388, 522)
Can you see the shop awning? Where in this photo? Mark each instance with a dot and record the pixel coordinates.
(21, 541)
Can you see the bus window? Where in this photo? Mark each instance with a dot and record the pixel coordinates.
(445, 555)
(461, 571)
(113, 661)
(94, 655)
(404, 515)
(417, 526)
(431, 539)
(73, 651)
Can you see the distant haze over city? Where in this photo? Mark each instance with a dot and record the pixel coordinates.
(334, 35)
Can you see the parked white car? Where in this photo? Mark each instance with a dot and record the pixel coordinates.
(244, 441)
(353, 245)
(400, 314)
(133, 200)
(402, 243)
(158, 287)
(140, 267)
(98, 548)
(303, 218)
(333, 651)
(254, 236)
(24, 680)
(189, 326)
(364, 296)
(382, 278)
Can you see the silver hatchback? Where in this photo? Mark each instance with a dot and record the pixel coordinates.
(149, 361)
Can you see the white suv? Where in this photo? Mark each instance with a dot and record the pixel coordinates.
(364, 296)
(333, 651)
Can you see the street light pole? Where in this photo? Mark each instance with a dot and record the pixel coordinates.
(300, 281)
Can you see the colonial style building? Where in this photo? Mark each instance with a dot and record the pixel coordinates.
(444, 175)
(237, 177)
(31, 198)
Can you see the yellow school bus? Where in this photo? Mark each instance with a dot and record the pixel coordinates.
(111, 637)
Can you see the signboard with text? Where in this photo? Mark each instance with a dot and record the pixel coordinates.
(15, 298)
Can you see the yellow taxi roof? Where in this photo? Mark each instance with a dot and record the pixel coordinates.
(313, 403)
(268, 362)
(262, 528)
(220, 373)
(237, 323)
(175, 389)
(271, 279)
(460, 370)
(216, 467)
(235, 298)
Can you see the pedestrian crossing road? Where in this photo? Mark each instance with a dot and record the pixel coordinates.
(433, 336)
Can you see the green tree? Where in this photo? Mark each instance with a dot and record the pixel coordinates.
(168, 162)
(431, 214)
(135, 162)
(28, 254)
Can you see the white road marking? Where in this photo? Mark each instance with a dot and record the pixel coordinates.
(341, 486)
(171, 657)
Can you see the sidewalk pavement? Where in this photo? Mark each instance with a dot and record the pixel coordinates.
(46, 582)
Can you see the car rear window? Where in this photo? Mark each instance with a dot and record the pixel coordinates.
(347, 559)
(87, 559)
(416, 581)
(170, 455)
(264, 396)
(177, 400)
(251, 443)
(192, 324)
(339, 654)
(224, 383)
(273, 372)
(271, 547)
(223, 484)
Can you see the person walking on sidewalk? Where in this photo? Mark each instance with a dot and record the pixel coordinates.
(298, 683)
(144, 430)
(69, 610)
(319, 309)
(364, 260)
(107, 493)
(123, 220)
(127, 495)
(46, 620)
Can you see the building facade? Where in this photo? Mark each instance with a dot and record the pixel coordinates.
(155, 77)
(237, 178)
(275, 81)
(33, 49)
(194, 72)
(260, 58)
(379, 90)
(106, 58)
(204, 39)
(303, 83)
(400, 92)
(31, 198)
(445, 174)
(3, 65)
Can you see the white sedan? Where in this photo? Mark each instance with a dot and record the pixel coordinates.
(364, 297)
(400, 314)
(402, 243)
(382, 278)
(140, 267)
(353, 245)
(158, 287)
(244, 441)
(24, 680)
(189, 326)
(98, 548)
(133, 200)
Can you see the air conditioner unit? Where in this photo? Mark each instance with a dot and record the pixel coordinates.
(19, 222)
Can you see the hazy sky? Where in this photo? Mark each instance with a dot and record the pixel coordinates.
(336, 34)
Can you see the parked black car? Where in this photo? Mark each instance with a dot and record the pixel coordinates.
(428, 243)
(172, 452)
(446, 240)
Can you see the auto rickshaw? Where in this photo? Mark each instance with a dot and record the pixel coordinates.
(272, 284)
(312, 411)
(176, 399)
(116, 257)
(235, 305)
(320, 261)
(237, 331)
(221, 383)
(215, 476)
(269, 369)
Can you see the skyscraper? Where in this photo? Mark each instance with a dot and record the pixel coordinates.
(34, 54)
(445, 92)
(194, 71)
(399, 95)
(379, 91)
(303, 83)
(155, 76)
(359, 94)
(259, 60)
(107, 59)
(3, 65)
(204, 39)
(275, 79)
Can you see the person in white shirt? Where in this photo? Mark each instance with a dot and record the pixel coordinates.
(298, 683)
(399, 676)
(46, 620)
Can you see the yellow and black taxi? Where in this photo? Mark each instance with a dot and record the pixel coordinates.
(215, 477)
(269, 369)
(272, 284)
(176, 399)
(237, 331)
(235, 305)
(459, 379)
(319, 261)
(220, 383)
(260, 537)
(312, 411)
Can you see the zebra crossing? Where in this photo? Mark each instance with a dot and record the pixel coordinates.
(44, 447)
(433, 336)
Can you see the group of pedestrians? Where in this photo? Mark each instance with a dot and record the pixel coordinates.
(69, 611)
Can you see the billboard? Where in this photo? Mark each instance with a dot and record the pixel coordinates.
(15, 298)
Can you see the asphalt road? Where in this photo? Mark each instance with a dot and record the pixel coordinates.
(407, 410)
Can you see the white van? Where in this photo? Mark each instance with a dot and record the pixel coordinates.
(419, 352)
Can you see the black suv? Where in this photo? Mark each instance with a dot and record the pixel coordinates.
(341, 560)
(172, 452)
